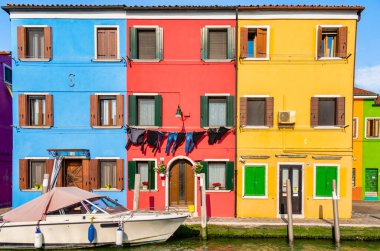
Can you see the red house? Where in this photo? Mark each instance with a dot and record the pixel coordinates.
(181, 90)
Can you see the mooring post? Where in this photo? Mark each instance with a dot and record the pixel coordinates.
(136, 192)
(203, 207)
(45, 183)
(336, 213)
(289, 209)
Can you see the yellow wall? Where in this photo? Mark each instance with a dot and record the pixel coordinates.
(292, 76)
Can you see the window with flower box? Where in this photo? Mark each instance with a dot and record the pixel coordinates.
(147, 172)
(219, 174)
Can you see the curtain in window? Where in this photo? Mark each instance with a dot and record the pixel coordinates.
(104, 112)
(217, 112)
(142, 169)
(217, 173)
(326, 111)
(113, 115)
(256, 112)
(146, 44)
(218, 44)
(146, 111)
(35, 45)
(37, 111)
(107, 173)
(37, 170)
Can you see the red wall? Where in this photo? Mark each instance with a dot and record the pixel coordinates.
(181, 78)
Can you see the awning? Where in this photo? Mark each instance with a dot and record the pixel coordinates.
(70, 153)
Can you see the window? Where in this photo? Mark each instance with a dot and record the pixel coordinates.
(35, 110)
(353, 177)
(324, 175)
(372, 127)
(7, 74)
(217, 43)
(256, 111)
(108, 174)
(253, 42)
(31, 172)
(107, 40)
(355, 128)
(146, 43)
(145, 110)
(332, 42)
(217, 111)
(106, 110)
(147, 172)
(37, 169)
(254, 180)
(34, 42)
(219, 172)
(327, 111)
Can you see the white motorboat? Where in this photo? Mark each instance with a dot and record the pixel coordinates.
(71, 217)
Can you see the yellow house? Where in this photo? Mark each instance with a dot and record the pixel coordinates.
(295, 86)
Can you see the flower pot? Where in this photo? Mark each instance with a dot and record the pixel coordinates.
(162, 175)
(145, 187)
(198, 175)
(216, 188)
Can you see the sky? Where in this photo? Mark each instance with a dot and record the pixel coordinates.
(367, 73)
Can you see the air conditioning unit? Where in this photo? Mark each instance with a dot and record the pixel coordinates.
(287, 117)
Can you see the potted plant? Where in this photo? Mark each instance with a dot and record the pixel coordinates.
(37, 186)
(216, 185)
(108, 186)
(197, 168)
(145, 185)
(161, 169)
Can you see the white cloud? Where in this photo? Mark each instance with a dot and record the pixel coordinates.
(368, 78)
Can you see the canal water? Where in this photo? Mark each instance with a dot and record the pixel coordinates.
(252, 244)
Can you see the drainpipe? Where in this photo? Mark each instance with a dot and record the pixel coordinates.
(236, 104)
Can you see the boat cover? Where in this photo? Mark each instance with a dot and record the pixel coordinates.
(57, 198)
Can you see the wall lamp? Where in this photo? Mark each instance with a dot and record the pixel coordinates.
(179, 113)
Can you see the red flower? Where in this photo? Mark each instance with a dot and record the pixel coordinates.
(216, 184)
(145, 183)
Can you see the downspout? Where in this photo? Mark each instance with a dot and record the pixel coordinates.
(236, 104)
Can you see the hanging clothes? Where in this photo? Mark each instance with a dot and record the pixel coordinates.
(135, 136)
(189, 140)
(212, 135)
(172, 138)
(180, 138)
(196, 137)
(153, 139)
(221, 131)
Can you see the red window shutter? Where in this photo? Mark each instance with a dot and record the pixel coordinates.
(319, 41)
(23, 174)
(94, 110)
(23, 110)
(112, 44)
(48, 51)
(342, 42)
(243, 42)
(243, 111)
(86, 184)
(119, 110)
(269, 105)
(94, 174)
(340, 111)
(120, 174)
(21, 42)
(261, 43)
(49, 110)
(314, 112)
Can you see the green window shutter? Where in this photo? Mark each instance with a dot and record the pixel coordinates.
(204, 111)
(160, 43)
(133, 43)
(324, 177)
(230, 111)
(151, 175)
(205, 171)
(231, 43)
(254, 181)
(204, 43)
(132, 110)
(230, 175)
(131, 174)
(332, 174)
(158, 110)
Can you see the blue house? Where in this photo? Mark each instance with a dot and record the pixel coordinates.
(69, 89)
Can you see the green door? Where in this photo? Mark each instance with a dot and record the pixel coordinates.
(371, 183)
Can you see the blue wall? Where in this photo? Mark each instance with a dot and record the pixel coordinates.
(73, 49)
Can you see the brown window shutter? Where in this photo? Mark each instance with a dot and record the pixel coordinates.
(23, 110)
(21, 42)
(243, 42)
(342, 42)
(101, 43)
(269, 105)
(120, 174)
(86, 184)
(319, 41)
(119, 110)
(314, 112)
(243, 111)
(48, 52)
(261, 43)
(340, 111)
(112, 44)
(368, 134)
(94, 174)
(23, 174)
(60, 176)
(49, 168)
(49, 110)
(94, 110)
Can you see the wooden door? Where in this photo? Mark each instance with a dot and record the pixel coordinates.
(73, 173)
(294, 173)
(181, 189)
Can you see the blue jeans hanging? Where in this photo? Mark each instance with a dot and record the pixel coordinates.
(189, 142)
(172, 137)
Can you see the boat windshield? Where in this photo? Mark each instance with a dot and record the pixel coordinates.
(102, 204)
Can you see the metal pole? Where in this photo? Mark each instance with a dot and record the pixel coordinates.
(45, 183)
(289, 210)
(203, 207)
(336, 213)
(136, 193)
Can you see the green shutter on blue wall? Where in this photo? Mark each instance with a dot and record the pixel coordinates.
(204, 43)
(132, 110)
(230, 175)
(133, 43)
(205, 171)
(230, 111)
(204, 111)
(131, 174)
(151, 175)
(158, 110)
